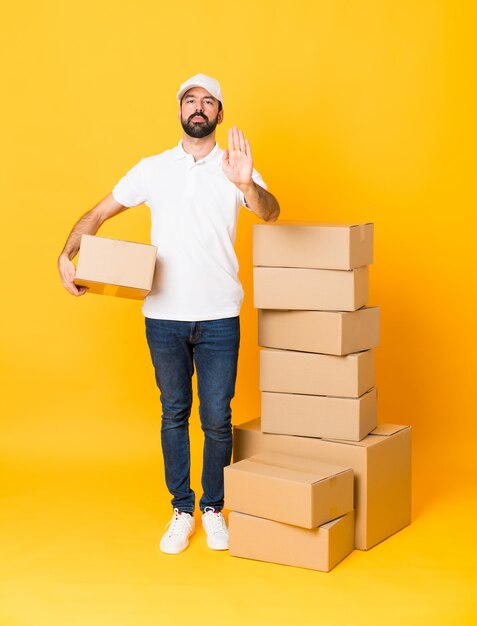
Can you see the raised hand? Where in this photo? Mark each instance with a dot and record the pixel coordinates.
(237, 162)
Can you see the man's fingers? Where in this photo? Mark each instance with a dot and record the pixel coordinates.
(248, 149)
(241, 140)
(72, 288)
(237, 141)
(236, 138)
(67, 273)
(226, 158)
(78, 290)
(231, 139)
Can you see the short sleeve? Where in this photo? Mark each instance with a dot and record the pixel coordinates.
(256, 177)
(131, 190)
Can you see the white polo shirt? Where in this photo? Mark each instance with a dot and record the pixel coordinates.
(194, 212)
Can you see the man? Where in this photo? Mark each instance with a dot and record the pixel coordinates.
(195, 192)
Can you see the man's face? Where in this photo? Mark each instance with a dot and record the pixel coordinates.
(199, 112)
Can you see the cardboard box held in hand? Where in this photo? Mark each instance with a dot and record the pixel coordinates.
(115, 268)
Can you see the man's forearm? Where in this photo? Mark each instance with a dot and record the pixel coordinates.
(87, 225)
(262, 202)
(90, 223)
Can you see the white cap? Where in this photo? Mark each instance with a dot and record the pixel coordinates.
(201, 80)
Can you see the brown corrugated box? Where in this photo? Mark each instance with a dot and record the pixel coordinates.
(382, 468)
(288, 489)
(310, 289)
(264, 540)
(319, 416)
(114, 267)
(327, 332)
(326, 246)
(316, 374)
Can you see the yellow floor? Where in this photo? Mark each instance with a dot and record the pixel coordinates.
(79, 547)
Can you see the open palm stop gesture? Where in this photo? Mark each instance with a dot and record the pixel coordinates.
(237, 161)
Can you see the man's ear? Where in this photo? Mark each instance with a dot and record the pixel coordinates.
(220, 117)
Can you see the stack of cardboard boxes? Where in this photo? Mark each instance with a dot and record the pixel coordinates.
(317, 381)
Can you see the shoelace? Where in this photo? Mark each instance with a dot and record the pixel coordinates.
(178, 524)
(217, 518)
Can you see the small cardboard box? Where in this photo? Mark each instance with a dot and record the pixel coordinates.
(288, 371)
(325, 246)
(310, 289)
(288, 489)
(115, 268)
(319, 416)
(382, 472)
(327, 332)
(264, 540)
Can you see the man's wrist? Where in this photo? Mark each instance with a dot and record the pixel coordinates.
(247, 188)
(66, 256)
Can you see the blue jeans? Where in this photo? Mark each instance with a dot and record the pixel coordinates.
(213, 347)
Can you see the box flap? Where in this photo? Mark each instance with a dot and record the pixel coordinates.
(249, 466)
(94, 238)
(289, 467)
(382, 430)
(317, 224)
(374, 437)
(385, 430)
(333, 522)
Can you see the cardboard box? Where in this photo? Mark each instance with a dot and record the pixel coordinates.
(319, 416)
(327, 332)
(310, 289)
(264, 540)
(115, 268)
(382, 472)
(325, 246)
(288, 489)
(316, 374)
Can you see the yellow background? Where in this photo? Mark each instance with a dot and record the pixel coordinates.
(356, 111)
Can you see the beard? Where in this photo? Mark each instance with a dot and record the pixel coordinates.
(199, 129)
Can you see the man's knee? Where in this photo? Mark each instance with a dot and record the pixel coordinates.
(175, 417)
(216, 424)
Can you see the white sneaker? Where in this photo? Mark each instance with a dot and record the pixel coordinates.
(176, 539)
(216, 529)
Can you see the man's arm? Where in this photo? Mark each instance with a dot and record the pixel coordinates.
(261, 201)
(238, 167)
(87, 225)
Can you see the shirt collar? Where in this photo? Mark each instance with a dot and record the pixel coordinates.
(180, 153)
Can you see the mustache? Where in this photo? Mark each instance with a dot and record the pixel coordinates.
(198, 114)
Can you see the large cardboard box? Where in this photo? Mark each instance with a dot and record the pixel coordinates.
(326, 246)
(382, 472)
(319, 416)
(264, 540)
(327, 332)
(288, 489)
(115, 268)
(316, 374)
(310, 289)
